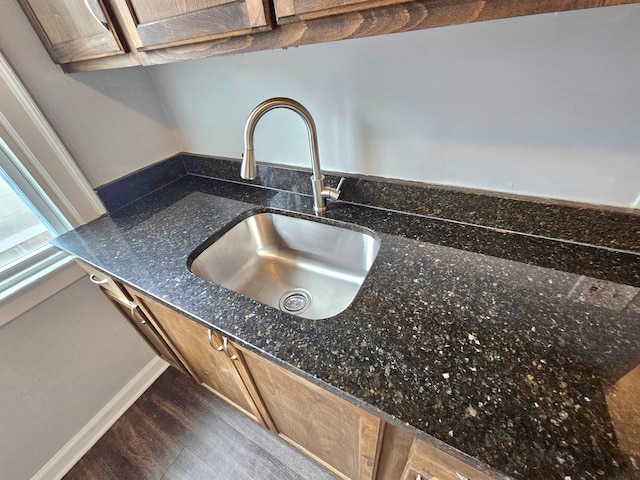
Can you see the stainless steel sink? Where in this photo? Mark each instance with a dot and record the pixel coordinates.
(306, 267)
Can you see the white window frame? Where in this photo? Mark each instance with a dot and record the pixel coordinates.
(38, 163)
(19, 272)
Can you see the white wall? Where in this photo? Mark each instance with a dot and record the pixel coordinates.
(111, 122)
(546, 105)
(61, 362)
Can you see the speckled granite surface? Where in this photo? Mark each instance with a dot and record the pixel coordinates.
(521, 352)
(616, 228)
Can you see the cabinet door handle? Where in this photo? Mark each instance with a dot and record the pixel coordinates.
(133, 306)
(211, 341)
(222, 348)
(225, 347)
(97, 15)
(95, 280)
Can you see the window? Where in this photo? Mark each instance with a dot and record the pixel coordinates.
(28, 219)
(21, 230)
(38, 176)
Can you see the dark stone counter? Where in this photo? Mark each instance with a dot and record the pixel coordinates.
(520, 351)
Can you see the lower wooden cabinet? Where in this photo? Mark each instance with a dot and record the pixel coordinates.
(205, 354)
(140, 322)
(342, 437)
(405, 457)
(339, 435)
(132, 313)
(394, 453)
(429, 462)
(348, 440)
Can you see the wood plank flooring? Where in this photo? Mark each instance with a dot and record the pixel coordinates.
(178, 430)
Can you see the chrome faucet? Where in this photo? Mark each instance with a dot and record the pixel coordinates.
(249, 171)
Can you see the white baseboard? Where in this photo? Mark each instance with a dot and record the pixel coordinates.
(82, 441)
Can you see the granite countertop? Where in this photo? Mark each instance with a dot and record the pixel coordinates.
(522, 352)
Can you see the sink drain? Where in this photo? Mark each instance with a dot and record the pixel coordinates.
(295, 301)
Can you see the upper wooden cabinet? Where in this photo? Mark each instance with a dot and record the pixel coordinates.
(74, 30)
(296, 10)
(97, 34)
(169, 22)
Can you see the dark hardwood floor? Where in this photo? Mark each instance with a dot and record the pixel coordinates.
(178, 430)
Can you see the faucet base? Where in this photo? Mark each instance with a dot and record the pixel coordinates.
(319, 202)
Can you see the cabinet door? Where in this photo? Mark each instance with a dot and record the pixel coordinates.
(428, 462)
(295, 10)
(339, 435)
(161, 23)
(73, 30)
(142, 325)
(200, 350)
(394, 452)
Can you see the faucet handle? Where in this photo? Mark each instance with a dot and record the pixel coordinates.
(334, 193)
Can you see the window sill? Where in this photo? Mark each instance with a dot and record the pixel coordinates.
(37, 288)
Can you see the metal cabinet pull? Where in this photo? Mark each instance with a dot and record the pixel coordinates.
(225, 346)
(222, 348)
(232, 357)
(211, 341)
(133, 307)
(97, 15)
(95, 280)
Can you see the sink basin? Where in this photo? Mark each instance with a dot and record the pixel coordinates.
(304, 266)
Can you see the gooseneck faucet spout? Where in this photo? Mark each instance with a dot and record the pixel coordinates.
(249, 171)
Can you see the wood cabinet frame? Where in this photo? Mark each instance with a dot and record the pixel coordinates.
(288, 11)
(395, 18)
(427, 461)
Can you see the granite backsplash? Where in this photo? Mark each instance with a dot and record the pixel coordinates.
(608, 227)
